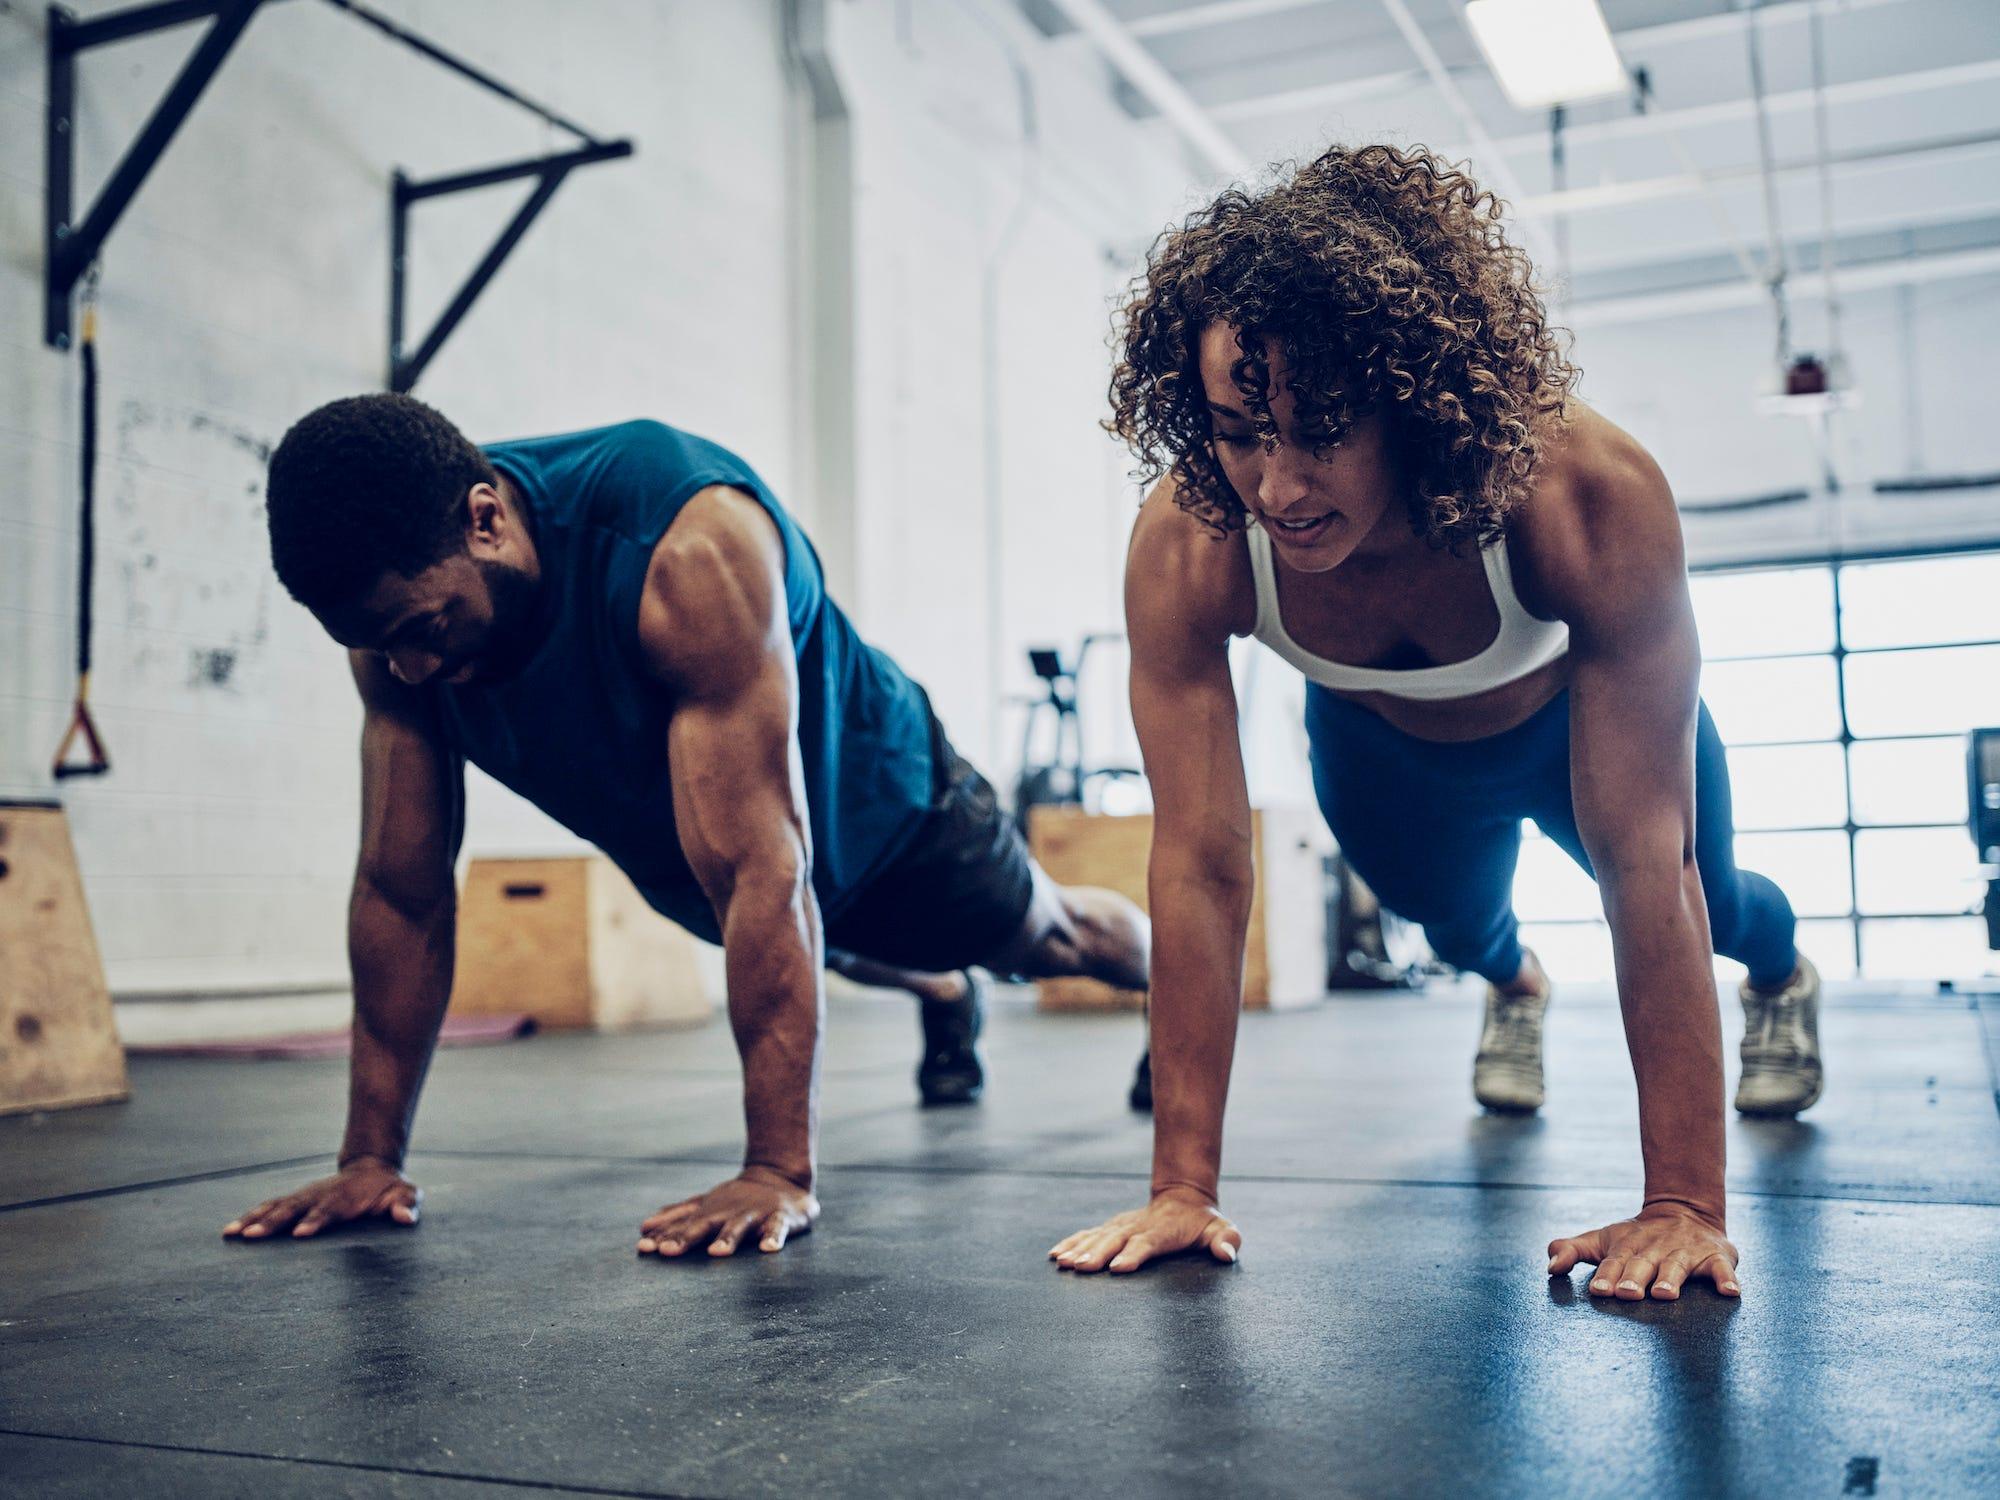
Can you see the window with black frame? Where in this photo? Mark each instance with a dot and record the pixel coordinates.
(1844, 691)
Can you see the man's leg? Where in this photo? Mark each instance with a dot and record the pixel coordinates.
(1078, 930)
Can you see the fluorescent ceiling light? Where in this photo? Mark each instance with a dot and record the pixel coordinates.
(1547, 52)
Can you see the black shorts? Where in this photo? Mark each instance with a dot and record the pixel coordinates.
(959, 891)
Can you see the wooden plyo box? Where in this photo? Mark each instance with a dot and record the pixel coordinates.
(58, 1042)
(1284, 959)
(569, 942)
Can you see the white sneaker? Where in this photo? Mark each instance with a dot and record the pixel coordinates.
(1781, 1066)
(1507, 1073)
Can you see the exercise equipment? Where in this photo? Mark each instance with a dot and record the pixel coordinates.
(71, 247)
(1062, 780)
(81, 725)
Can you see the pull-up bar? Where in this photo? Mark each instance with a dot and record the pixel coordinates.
(70, 248)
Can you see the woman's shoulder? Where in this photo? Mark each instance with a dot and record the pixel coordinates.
(1183, 573)
(1599, 520)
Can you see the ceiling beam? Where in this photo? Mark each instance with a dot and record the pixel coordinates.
(1216, 13)
(1732, 22)
(1729, 111)
(1723, 296)
(1138, 67)
(1613, 195)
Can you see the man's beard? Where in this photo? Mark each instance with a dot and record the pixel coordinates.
(514, 596)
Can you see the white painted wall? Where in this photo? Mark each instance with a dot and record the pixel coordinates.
(990, 510)
(247, 284)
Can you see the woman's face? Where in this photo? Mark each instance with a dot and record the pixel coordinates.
(1315, 510)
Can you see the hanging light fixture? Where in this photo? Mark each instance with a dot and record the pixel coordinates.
(1547, 52)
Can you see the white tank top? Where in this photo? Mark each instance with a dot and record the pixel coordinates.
(1522, 644)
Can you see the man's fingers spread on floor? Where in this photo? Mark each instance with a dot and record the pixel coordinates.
(1718, 1270)
(1225, 1244)
(404, 1213)
(777, 1228)
(732, 1231)
(311, 1224)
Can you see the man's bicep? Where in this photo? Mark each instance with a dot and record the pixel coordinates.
(739, 786)
(412, 793)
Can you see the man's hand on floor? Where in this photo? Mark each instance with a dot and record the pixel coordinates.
(365, 1188)
(1177, 1219)
(1657, 1251)
(759, 1203)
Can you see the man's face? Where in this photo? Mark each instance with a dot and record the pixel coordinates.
(467, 618)
(1316, 511)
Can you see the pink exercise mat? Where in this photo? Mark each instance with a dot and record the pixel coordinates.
(459, 1031)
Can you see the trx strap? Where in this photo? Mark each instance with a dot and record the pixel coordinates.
(80, 723)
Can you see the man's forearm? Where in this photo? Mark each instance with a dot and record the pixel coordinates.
(1199, 924)
(772, 954)
(1666, 990)
(402, 964)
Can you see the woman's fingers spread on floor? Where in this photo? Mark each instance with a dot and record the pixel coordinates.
(1635, 1277)
(1566, 1253)
(1225, 1242)
(1134, 1253)
(1717, 1268)
(1097, 1249)
(1608, 1273)
(1673, 1271)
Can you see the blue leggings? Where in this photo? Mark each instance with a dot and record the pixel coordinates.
(1435, 830)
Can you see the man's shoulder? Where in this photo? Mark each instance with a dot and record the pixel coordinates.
(714, 585)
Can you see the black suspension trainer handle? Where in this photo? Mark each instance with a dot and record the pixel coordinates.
(80, 724)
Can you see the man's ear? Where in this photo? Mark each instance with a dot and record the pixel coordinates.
(486, 516)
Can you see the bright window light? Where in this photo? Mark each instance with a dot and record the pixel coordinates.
(1547, 52)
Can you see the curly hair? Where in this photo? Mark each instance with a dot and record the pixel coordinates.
(1386, 280)
(364, 487)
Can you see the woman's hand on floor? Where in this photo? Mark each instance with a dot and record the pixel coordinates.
(758, 1203)
(365, 1188)
(1177, 1219)
(1657, 1252)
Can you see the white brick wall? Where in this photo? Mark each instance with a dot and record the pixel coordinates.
(249, 282)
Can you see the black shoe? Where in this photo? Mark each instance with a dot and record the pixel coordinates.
(1141, 1097)
(950, 1072)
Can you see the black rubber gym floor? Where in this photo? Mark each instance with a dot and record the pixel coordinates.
(1388, 1332)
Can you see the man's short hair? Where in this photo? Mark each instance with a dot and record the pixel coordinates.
(367, 486)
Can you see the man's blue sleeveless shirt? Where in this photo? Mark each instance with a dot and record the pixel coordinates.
(581, 730)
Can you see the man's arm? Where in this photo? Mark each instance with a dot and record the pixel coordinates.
(714, 628)
(400, 930)
(1619, 578)
(1199, 882)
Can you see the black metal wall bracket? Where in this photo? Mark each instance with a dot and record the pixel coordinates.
(68, 247)
(549, 172)
(71, 248)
